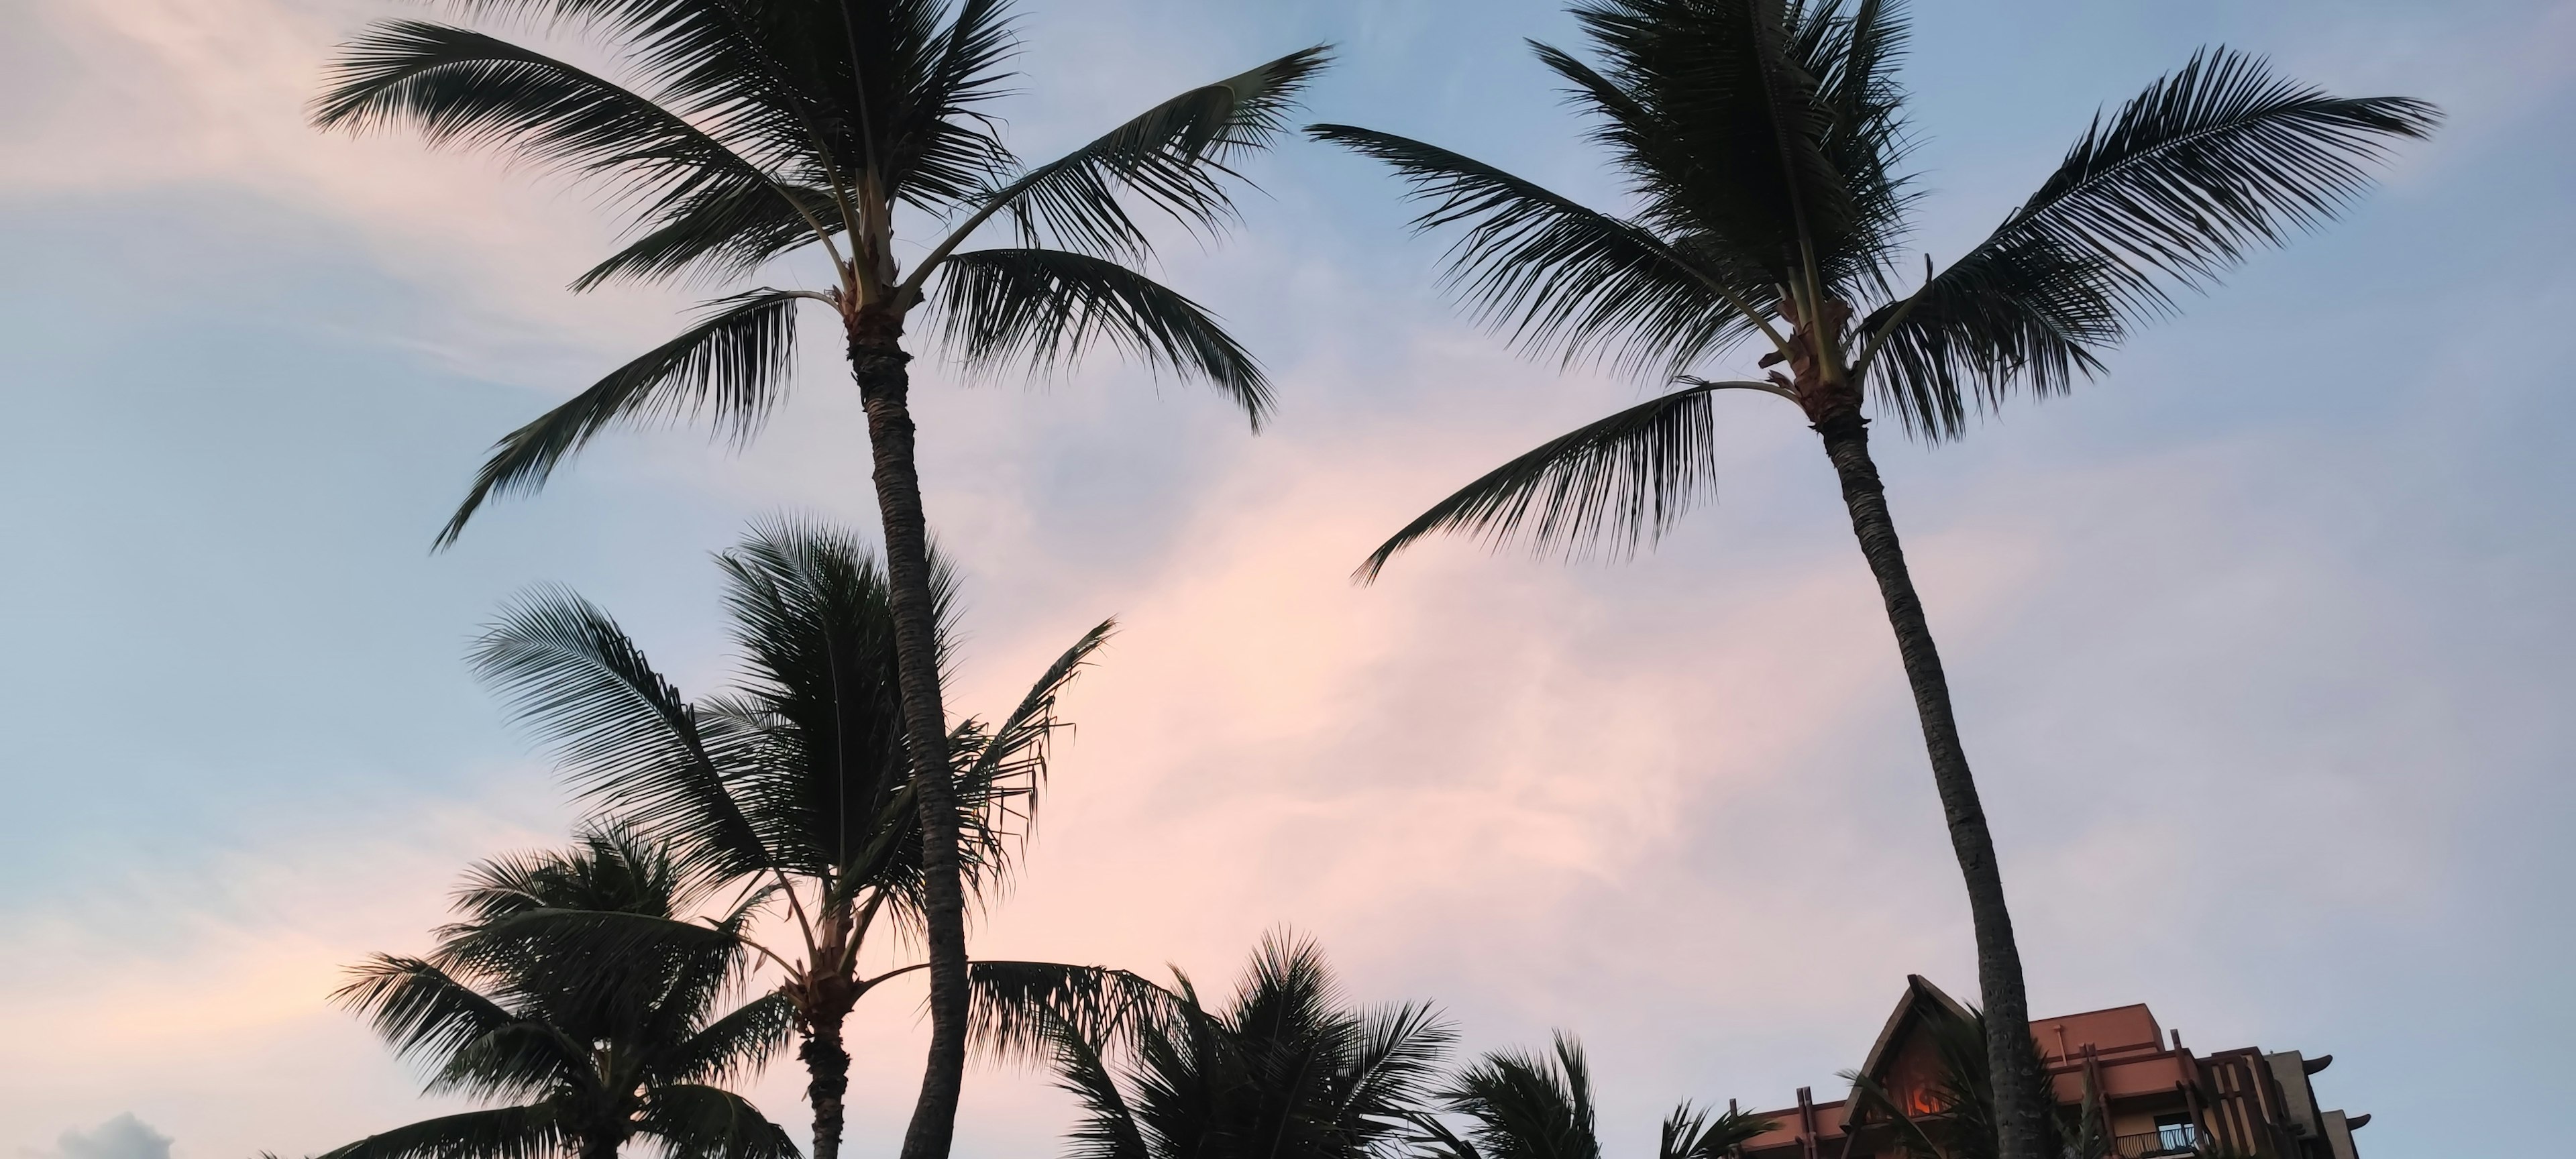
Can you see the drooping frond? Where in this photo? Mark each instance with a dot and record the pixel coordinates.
(422, 1012)
(1553, 274)
(1393, 1062)
(720, 230)
(464, 88)
(1622, 479)
(1176, 157)
(1042, 308)
(1019, 1007)
(533, 1132)
(1108, 1128)
(2025, 314)
(704, 1122)
(734, 362)
(622, 732)
(2210, 162)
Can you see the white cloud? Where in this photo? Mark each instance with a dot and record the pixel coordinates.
(123, 1137)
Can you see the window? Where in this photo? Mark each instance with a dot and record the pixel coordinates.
(2175, 1134)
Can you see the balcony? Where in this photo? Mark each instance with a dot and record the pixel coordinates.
(2180, 1139)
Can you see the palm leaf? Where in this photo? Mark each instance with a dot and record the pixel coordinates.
(533, 1132)
(624, 733)
(1621, 479)
(735, 361)
(1020, 1007)
(1001, 771)
(704, 1122)
(1176, 157)
(1042, 307)
(1552, 273)
(1691, 1133)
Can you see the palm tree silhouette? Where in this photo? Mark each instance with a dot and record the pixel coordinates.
(1525, 1106)
(761, 128)
(796, 786)
(1762, 144)
(593, 1050)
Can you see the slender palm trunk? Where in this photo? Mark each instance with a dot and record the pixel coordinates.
(878, 363)
(827, 1080)
(2024, 1110)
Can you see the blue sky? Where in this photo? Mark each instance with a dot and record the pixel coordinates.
(2259, 642)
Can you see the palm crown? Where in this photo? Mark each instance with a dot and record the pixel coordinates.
(595, 1048)
(1519, 1105)
(1762, 145)
(756, 129)
(796, 785)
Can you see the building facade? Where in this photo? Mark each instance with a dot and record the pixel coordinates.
(2153, 1096)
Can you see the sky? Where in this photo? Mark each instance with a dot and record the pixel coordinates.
(2259, 642)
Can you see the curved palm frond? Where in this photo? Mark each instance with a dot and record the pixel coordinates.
(1000, 771)
(1177, 157)
(2027, 314)
(624, 733)
(1552, 273)
(1622, 479)
(2211, 161)
(465, 88)
(704, 1122)
(945, 153)
(1019, 1007)
(1108, 1128)
(735, 361)
(719, 231)
(533, 1132)
(1393, 1061)
(480, 1047)
(1043, 307)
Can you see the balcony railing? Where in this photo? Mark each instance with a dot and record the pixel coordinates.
(2168, 1141)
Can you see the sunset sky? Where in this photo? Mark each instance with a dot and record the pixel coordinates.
(2261, 643)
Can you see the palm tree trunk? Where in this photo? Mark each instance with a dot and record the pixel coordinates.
(827, 1070)
(2024, 1109)
(877, 362)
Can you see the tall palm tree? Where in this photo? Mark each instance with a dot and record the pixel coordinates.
(796, 785)
(590, 1051)
(1762, 144)
(1523, 1106)
(756, 129)
(1288, 1069)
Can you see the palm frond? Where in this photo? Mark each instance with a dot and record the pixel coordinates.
(468, 89)
(1526, 1106)
(1002, 770)
(1042, 308)
(1552, 273)
(704, 1122)
(622, 731)
(1393, 1063)
(1621, 479)
(2216, 159)
(1177, 157)
(718, 231)
(2219, 158)
(1692, 1133)
(1108, 1128)
(734, 361)
(1019, 1008)
(532, 1132)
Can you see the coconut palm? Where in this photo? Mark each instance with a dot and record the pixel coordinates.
(589, 1052)
(1287, 1069)
(796, 785)
(1762, 143)
(741, 131)
(1524, 1106)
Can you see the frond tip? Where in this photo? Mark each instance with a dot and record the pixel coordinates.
(1042, 307)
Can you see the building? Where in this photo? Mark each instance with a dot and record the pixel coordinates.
(2156, 1097)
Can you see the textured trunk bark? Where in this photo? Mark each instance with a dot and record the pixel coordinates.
(878, 363)
(827, 1081)
(2025, 1110)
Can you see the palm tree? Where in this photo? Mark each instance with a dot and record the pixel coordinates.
(1761, 142)
(797, 785)
(589, 1052)
(1286, 1070)
(760, 128)
(1522, 1106)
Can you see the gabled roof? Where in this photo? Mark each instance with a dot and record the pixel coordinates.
(1921, 998)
